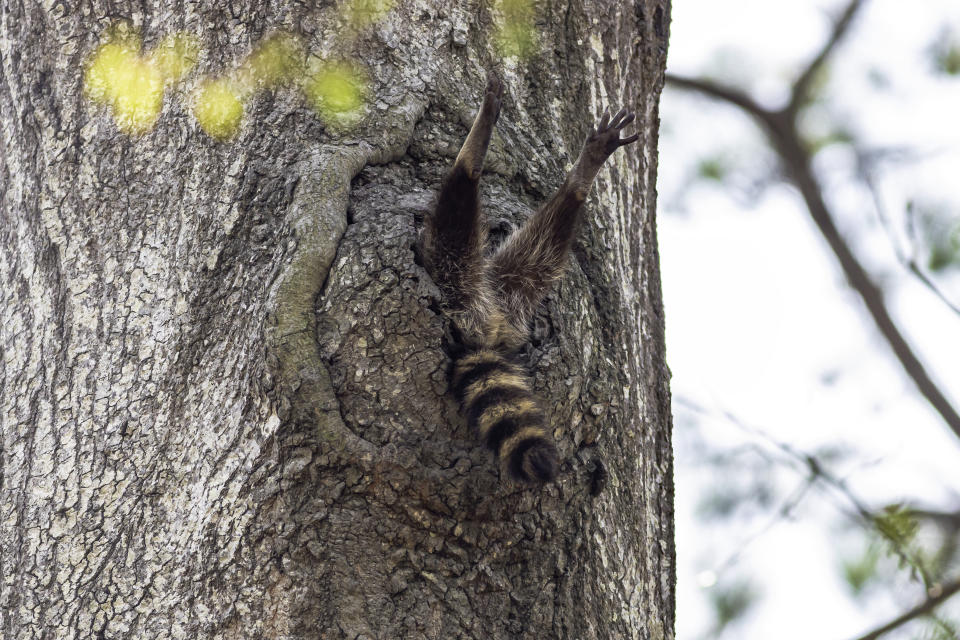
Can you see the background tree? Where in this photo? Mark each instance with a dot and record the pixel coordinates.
(829, 122)
(224, 397)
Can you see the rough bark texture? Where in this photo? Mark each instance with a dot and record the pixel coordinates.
(223, 395)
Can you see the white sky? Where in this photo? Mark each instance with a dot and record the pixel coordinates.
(759, 317)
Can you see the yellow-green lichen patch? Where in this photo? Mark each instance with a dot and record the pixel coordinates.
(218, 108)
(515, 33)
(337, 90)
(274, 62)
(132, 85)
(106, 63)
(361, 13)
(175, 56)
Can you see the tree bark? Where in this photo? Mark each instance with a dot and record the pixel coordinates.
(224, 393)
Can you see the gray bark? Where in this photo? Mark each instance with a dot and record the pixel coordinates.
(223, 395)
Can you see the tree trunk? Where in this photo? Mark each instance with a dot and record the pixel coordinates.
(224, 393)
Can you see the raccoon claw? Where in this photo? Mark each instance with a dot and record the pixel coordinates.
(605, 138)
(494, 85)
(493, 96)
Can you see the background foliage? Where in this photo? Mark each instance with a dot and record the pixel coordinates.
(815, 467)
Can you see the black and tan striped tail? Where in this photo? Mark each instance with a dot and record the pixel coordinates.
(499, 404)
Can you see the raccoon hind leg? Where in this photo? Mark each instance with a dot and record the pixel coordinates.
(532, 258)
(455, 234)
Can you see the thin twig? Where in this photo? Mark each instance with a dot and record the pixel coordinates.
(789, 504)
(937, 596)
(865, 171)
(946, 519)
(801, 87)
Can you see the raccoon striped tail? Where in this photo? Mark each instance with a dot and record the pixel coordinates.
(500, 407)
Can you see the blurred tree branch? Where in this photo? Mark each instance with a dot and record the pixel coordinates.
(783, 132)
(936, 596)
(801, 88)
(947, 519)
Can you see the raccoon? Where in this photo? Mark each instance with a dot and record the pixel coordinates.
(490, 299)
